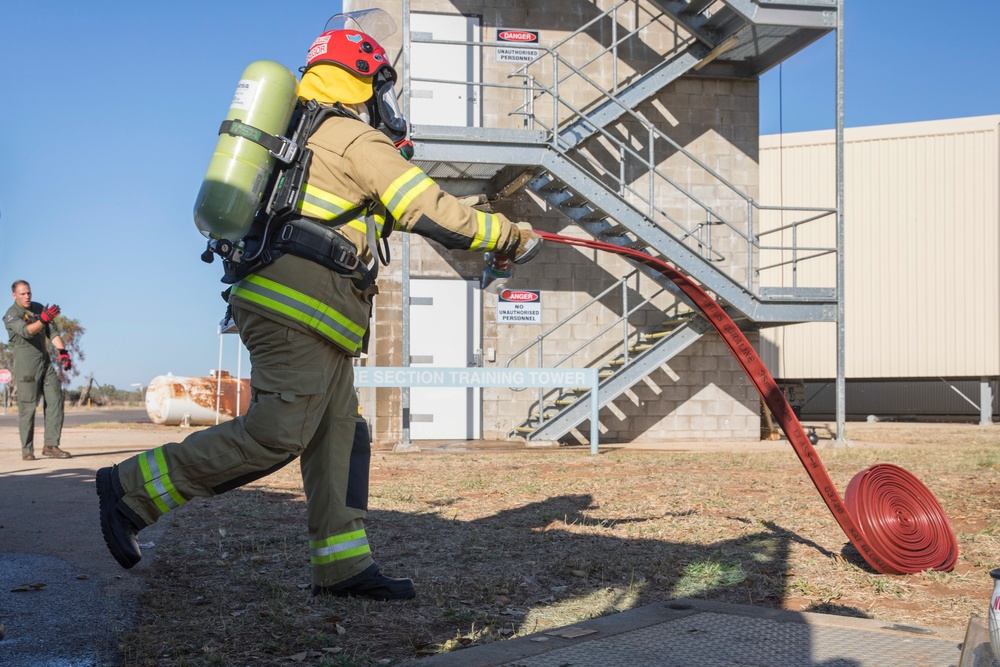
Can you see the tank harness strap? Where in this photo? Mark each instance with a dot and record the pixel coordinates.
(295, 235)
(280, 147)
(290, 178)
(321, 244)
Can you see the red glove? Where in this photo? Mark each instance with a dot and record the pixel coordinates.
(50, 313)
(64, 360)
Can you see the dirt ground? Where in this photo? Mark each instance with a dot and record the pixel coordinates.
(505, 542)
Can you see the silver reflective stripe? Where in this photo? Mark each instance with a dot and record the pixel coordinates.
(156, 480)
(342, 546)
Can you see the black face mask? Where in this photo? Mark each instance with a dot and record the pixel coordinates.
(386, 115)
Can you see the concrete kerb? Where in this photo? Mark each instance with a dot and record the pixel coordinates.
(681, 633)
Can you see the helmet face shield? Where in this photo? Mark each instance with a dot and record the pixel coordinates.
(375, 22)
(386, 115)
(388, 108)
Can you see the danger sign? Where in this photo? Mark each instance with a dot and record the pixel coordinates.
(517, 36)
(519, 306)
(512, 45)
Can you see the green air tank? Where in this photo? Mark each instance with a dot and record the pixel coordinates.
(240, 169)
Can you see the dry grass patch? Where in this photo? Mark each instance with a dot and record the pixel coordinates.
(503, 544)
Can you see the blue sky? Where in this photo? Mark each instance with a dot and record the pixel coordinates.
(904, 61)
(110, 112)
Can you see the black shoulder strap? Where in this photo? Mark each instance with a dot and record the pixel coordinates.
(279, 147)
(311, 116)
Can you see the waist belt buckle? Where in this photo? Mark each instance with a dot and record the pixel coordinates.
(346, 258)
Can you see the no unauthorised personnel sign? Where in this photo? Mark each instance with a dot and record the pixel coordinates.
(519, 306)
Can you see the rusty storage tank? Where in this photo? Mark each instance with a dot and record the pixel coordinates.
(174, 399)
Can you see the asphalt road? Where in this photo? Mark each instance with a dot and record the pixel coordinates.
(80, 417)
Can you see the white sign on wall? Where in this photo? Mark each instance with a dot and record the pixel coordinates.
(515, 45)
(519, 306)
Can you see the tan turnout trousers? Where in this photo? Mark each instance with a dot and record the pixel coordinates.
(303, 405)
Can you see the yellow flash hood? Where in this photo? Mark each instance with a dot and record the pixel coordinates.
(328, 83)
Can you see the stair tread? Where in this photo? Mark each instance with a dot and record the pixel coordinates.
(697, 6)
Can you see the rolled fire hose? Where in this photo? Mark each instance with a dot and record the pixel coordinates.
(891, 518)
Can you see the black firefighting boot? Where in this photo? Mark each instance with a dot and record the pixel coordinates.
(120, 532)
(370, 584)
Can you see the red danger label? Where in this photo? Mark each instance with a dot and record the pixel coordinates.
(519, 36)
(518, 295)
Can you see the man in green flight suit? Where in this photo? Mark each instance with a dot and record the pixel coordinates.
(30, 326)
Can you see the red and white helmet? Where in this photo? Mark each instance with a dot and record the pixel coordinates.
(353, 50)
(351, 41)
(348, 43)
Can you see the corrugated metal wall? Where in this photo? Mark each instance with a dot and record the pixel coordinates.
(922, 248)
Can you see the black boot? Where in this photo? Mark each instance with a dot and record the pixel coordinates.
(120, 533)
(370, 584)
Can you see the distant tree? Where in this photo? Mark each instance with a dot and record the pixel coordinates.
(85, 391)
(72, 331)
(108, 394)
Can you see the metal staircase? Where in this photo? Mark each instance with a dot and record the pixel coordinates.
(567, 408)
(572, 152)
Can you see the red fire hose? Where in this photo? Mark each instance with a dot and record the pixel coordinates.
(889, 516)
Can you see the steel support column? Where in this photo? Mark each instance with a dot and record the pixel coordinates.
(404, 288)
(985, 402)
(841, 363)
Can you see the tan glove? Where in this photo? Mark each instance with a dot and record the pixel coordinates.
(528, 243)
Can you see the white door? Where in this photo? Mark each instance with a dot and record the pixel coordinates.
(444, 332)
(434, 103)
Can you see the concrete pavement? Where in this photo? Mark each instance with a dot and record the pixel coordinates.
(77, 599)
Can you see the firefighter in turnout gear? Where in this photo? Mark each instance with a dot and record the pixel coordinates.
(304, 314)
(31, 326)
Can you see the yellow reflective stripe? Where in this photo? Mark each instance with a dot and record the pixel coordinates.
(488, 233)
(360, 224)
(157, 483)
(321, 204)
(402, 191)
(303, 308)
(338, 547)
(315, 211)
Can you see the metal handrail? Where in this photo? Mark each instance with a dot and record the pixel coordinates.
(563, 321)
(535, 89)
(651, 165)
(626, 335)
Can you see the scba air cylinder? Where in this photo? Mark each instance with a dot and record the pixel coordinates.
(240, 168)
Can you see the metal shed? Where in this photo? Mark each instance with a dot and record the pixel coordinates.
(921, 253)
